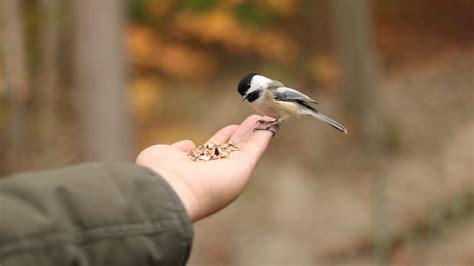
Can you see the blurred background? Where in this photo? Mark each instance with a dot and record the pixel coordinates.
(84, 80)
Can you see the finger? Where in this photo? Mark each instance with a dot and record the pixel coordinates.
(252, 150)
(223, 135)
(245, 130)
(185, 145)
(258, 142)
(251, 144)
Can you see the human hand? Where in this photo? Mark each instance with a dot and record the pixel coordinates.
(206, 187)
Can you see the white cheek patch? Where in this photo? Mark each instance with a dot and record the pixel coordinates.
(259, 82)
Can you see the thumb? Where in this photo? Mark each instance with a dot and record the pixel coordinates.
(184, 145)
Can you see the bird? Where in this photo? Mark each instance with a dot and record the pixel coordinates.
(274, 99)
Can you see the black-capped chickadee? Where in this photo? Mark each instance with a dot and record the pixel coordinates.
(272, 98)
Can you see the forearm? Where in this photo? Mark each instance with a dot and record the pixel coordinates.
(105, 213)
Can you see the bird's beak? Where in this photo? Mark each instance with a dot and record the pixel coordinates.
(244, 98)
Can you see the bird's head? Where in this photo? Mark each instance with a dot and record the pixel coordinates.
(251, 86)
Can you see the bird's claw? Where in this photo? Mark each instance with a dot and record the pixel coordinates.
(269, 128)
(263, 121)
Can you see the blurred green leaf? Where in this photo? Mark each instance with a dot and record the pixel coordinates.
(199, 5)
(137, 9)
(253, 14)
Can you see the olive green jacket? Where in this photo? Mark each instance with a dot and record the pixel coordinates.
(109, 214)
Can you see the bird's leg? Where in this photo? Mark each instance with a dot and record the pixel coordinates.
(276, 122)
(269, 126)
(263, 121)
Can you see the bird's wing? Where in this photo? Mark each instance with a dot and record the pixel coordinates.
(275, 84)
(287, 94)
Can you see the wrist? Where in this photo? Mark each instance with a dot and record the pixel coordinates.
(183, 191)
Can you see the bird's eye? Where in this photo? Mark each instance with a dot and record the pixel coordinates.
(247, 85)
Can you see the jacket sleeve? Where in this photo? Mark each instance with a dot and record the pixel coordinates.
(92, 214)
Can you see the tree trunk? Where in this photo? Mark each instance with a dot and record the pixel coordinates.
(48, 71)
(353, 41)
(100, 79)
(16, 80)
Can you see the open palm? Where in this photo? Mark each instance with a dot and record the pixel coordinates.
(206, 187)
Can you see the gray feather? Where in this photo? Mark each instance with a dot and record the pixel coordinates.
(328, 120)
(274, 84)
(288, 94)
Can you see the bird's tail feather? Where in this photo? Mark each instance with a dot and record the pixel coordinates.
(329, 121)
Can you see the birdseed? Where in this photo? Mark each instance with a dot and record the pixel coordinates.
(211, 151)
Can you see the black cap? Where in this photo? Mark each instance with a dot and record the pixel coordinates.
(244, 83)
